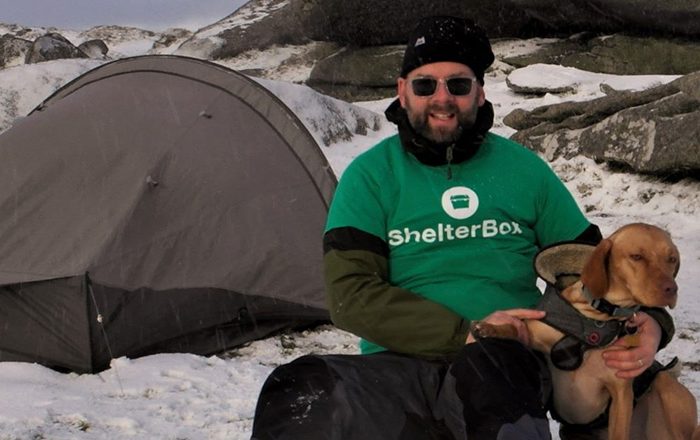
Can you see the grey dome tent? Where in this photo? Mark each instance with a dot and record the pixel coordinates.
(157, 204)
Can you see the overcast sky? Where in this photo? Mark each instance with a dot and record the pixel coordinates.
(146, 14)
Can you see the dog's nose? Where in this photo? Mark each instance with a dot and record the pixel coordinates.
(670, 288)
(670, 291)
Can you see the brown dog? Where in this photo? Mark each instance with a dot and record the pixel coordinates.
(634, 266)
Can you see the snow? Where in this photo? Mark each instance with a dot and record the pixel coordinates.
(183, 396)
(23, 87)
(272, 60)
(586, 84)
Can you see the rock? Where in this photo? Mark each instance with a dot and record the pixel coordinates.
(259, 24)
(94, 48)
(689, 84)
(171, 37)
(19, 31)
(52, 46)
(655, 131)
(645, 17)
(118, 37)
(573, 115)
(619, 54)
(345, 22)
(13, 50)
(112, 34)
(658, 138)
(367, 35)
(386, 22)
(369, 71)
(530, 90)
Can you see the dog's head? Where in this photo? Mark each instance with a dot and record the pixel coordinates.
(636, 265)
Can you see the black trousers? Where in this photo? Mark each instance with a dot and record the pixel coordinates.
(493, 390)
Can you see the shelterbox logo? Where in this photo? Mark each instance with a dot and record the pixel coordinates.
(460, 203)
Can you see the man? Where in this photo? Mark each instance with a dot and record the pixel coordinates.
(431, 228)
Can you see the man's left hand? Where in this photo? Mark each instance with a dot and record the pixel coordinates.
(631, 362)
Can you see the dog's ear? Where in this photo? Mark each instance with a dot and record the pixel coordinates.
(594, 275)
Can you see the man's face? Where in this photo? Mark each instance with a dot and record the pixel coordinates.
(441, 116)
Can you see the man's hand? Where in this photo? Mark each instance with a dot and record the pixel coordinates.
(513, 317)
(631, 362)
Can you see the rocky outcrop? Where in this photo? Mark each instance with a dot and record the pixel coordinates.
(259, 24)
(381, 22)
(172, 38)
(355, 23)
(619, 54)
(359, 23)
(361, 73)
(13, 50)
(111, 34)
(366, 35)
(33, 45)
(655, 131)
(645, 17)
(52, 46)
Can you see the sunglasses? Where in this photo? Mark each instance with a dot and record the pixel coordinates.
(458, 86)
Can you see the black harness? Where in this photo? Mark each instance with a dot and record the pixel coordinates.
(582, 333)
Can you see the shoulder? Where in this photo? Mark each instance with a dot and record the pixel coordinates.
(384, 149)
(378, 158)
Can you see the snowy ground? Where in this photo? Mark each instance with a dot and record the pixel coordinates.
(182, 396)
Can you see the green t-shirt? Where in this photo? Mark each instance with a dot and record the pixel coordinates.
(466, 242)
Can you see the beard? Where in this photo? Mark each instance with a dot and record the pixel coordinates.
(441, 135)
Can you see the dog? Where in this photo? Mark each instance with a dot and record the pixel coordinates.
(635, 266)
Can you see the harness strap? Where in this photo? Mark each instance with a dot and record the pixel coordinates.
(609, 308)
(581, 333)
(564, 317)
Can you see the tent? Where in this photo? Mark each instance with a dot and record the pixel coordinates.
(157, 204)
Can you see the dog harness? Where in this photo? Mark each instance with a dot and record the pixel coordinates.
(581, 333)
(610, 309)
(640, 385)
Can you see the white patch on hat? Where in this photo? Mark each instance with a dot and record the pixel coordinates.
(419, 42)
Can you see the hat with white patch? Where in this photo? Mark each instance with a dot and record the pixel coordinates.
(445, 38)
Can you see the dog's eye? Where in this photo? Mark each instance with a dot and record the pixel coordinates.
(673, 259)
(637, 257)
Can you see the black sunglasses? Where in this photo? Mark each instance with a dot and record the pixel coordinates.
(458, 86)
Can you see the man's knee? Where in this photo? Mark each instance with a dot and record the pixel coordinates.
(505, 361)
(294, 399)
(383, 395)
(500, 385)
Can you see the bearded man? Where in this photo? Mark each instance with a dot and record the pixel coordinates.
(429, 229)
